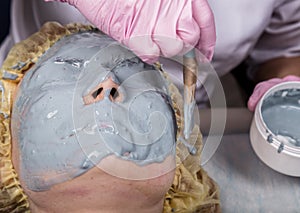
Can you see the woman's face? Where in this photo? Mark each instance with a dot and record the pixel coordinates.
(87, 99)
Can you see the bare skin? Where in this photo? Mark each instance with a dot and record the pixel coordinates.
(278, 68)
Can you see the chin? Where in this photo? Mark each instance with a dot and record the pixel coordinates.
(105, 191)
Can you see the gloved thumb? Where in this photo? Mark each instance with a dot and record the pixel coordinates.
(261, 88)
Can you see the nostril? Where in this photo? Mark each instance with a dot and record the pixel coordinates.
(114, 93)
(97, 92)
(93, 97)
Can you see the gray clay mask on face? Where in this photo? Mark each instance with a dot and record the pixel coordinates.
(60, 136)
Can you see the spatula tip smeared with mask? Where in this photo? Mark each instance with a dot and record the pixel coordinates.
(190, 73)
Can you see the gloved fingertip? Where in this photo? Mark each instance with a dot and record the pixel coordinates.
(209, 56)
(208, 53)
(149, 60)
(291, 78)
(257, 94)
(144, 48)
(259, 90)
(251, 105)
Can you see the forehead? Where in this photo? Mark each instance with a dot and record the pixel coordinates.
(88, 53)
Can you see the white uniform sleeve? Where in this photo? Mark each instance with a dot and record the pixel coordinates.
(281, 37)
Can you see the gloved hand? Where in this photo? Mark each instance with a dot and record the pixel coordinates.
(261, 88)
(153, 28)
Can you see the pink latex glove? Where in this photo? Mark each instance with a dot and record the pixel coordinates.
(153, 28)
(261, 88)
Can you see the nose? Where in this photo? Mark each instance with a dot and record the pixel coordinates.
(106, 89)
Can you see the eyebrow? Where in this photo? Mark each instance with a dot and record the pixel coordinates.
(75, 62)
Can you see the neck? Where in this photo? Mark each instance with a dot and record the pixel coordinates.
(97, 191)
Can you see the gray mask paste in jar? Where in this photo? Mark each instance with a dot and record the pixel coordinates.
(281, 114)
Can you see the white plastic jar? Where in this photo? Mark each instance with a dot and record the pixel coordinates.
(275, 128)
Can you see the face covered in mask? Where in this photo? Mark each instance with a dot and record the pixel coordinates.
(86, 126)
(88, 98)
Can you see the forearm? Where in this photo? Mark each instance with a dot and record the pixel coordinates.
(278, 68)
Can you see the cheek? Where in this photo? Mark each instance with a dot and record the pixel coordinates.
(45, 149)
